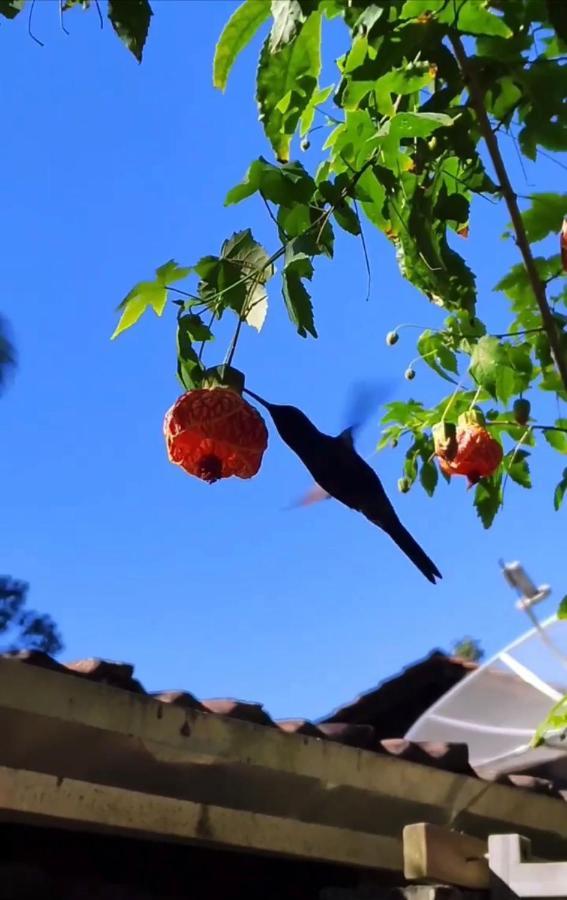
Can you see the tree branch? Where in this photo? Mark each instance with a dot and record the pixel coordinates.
(538, 287)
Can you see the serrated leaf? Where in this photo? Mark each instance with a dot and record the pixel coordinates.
(429, 476)
(487, 358)
(288, 18)
(560, 490)
(229, 279)
(257, 307)
(488, 498)
(298, 266)
(170, 272)
(145, 295)
(236, 35)
(545, 216)
(557, 439)
(131, 22)
(285, 185)
(562, 608)
(295, 68)
(436, 355)
(515, 464)
(10, 8)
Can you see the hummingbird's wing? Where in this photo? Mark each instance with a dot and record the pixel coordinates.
(365, 397)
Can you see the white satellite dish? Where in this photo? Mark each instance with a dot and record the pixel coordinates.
(497, 708)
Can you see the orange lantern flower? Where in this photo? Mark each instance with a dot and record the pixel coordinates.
(470, 451)
(214, 433)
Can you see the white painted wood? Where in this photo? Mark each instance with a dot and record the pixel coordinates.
(508, 856)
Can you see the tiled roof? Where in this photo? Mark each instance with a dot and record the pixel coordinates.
(375, 721)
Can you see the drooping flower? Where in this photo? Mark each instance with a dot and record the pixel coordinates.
(470, 450)
(214, 433)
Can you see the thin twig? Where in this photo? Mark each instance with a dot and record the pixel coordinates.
(100, 19)
(538, 288)
(365, 253)
(30, 32)
(61, 22)
(202, 347)
(175, 290)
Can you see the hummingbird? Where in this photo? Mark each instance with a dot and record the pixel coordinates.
(340, 472)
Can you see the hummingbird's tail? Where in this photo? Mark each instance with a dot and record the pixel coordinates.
(411, 548)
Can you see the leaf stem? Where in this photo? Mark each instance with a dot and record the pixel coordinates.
(538, 287)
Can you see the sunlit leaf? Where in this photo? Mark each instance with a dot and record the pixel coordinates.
(557, 439)
(294, 71)
(145, 295)
(236, 35)
(545, 215)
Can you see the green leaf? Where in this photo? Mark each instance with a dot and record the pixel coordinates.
(560, 490)
(413, 124)
(487, 358)
(562, 609)
(285, 185)
(429, 476)
(556, 723)
(318, 98)
(171, 272)
(288, 18)
(433, 351)
(131, 22)
(557, 439)
(236, 35)
(545, 216)
(474, 18)
(294, 71)
(10, 8)
(488, 498)
(189, 368)
(517, 467)
(144, 295)
(233, 279)
(298, 266)
(347, 218)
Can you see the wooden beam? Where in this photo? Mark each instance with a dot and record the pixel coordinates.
(435, 853)
(36, 798)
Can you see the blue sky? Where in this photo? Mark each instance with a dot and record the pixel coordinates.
(109, 169)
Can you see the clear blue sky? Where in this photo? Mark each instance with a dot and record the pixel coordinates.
(108, 170)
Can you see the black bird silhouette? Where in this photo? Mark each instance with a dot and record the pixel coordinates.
(341, 473)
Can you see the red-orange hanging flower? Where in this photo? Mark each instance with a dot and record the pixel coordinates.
(214, 433)
(470, 450)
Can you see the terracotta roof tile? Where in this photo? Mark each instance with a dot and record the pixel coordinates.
(348, 727)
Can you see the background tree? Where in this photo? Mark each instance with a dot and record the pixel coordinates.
(24, 629)
(468, 648)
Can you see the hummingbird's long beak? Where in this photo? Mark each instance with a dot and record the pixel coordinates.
(257, 398)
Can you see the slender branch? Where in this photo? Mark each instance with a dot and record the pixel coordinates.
(538, 287)
(532, 427)
(234, 341)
